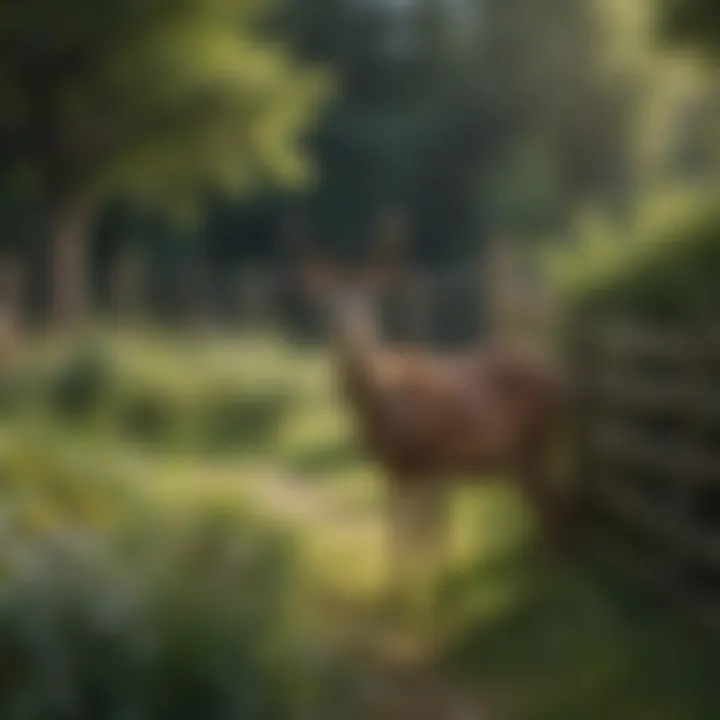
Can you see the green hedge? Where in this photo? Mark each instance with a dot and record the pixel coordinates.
(677, 281)
(662, 267)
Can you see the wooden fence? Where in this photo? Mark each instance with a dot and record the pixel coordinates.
(648, 411)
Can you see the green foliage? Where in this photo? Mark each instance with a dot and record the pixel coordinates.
(155, 586)
(692, 22)
(76, 386)
(247, 418)
(144, 393)
(580, 650)
(134, 608)
(172, 99)
(663, 267)
(502, 116)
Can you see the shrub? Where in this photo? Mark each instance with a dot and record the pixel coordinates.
(232, 419)
(146, 415)
(663, 268)
(166, 615)
(156, 394)
(76, 387)
(14, 391)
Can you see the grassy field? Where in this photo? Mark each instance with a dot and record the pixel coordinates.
(189, 529)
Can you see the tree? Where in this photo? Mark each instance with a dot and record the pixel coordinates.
(164, 101)
(475, 114)
(696, 24)
(399, 132)
(674, 99)
(692, 22)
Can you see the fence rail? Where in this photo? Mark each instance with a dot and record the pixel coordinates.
(630, 390)
(624, 340)
(649, 447)
(698, 465)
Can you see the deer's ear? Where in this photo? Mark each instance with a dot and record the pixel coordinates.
(388, 249)
(379, 276)
(317, 277)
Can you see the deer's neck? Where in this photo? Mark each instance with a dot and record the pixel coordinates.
(357, 349)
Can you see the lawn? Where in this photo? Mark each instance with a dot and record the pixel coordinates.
(190, 529)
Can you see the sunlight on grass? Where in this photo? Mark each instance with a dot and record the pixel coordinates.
(249, 437)
(317, 438)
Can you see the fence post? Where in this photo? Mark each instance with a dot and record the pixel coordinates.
(695, 377)
(675, 554)
(578, 369)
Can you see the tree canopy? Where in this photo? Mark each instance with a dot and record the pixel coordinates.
(165, 100)
(474, 116)
(478, 116)
(173, 95)
(692, 22)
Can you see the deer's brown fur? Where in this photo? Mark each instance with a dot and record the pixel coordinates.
(430, 420)
(419, 415)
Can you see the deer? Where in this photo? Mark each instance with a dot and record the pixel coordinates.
(430, 421)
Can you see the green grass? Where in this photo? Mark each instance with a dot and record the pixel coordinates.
(560, 645)
(249, 532)
(136, 579)
(121, 600)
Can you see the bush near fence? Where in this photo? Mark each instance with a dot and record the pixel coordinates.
(645, 356)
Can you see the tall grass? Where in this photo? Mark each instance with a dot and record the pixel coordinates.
(120, 598)
(139, 577)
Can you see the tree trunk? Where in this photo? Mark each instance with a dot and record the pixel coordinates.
(68, 233)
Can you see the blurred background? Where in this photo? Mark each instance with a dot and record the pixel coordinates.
(188, 528)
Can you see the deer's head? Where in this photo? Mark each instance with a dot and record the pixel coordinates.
(348, 298)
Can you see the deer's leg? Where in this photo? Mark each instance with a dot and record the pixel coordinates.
(536, 483)
(415, 523)
(433, 546)
(432, 527)
(400, 540)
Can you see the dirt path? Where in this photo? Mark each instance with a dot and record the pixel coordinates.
(399, 689)
(295, 499)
